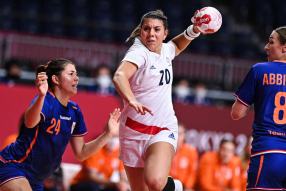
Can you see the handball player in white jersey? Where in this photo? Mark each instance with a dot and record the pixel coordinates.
(148, 125)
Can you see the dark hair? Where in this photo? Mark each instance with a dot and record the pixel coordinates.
(53, 67)
(100, 67)
(282, 34)
(150, 15)
(10, 63)
(223, 141)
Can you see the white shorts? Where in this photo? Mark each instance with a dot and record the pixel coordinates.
(132, 152)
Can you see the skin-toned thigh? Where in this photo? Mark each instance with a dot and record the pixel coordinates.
(136, 178)
(20, 184)
(158, 160)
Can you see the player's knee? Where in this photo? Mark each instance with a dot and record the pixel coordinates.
(155, 183)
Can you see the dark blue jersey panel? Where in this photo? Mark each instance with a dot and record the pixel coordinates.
(39, 150)
(265, 87)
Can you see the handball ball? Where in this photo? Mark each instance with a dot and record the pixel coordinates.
(208, 20)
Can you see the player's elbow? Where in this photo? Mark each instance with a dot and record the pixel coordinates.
(235, 115)
(116, 77)
(79, 157)
(30, 124)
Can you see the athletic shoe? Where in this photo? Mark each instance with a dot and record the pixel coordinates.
(178, 185)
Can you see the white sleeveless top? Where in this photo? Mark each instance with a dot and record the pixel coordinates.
(151, 85)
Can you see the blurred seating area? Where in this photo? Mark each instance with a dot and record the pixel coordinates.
(244, 22)
(92, 34)
(221, 75)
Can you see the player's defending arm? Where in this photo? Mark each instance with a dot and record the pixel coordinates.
(32, 115)
(84, 150)
(122, 85)
(183, 40)
(239, 110)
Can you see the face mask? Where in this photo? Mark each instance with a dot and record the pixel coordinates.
(103, 81)
(112, 144)
(182, 91)
(201, 93)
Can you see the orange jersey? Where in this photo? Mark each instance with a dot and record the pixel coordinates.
(243, 171)
(213, 176)
(184, 165)
(244, 176)
(10, 139)
(102, 163)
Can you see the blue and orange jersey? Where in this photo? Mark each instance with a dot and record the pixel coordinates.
(38, 151)
(265, 87)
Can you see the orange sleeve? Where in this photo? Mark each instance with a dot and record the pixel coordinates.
(206, 172)
(236, 179)
(191, 177)
(243, 175)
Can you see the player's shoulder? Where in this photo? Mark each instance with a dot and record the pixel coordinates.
(267, 67)
(261, 65)
(74, 105)
(168, 46)
(50, 97)
(137, 46)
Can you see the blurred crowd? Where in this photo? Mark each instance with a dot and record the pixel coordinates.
(185, 91)
(244, 22)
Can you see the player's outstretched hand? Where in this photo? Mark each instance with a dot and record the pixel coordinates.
(196, 30)
(113, 122)
(140, 108)
(42, 83)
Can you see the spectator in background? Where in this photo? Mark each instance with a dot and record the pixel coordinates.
(182, 92)
(245, 159)
(12, 138)
(219, 171)
(199, 97)
(13, 71)
(185, 162)
(103, 171)
(103, 80)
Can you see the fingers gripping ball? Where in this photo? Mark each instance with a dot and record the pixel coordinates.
(208, 20)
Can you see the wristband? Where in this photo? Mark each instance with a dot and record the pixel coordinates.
(190, 34)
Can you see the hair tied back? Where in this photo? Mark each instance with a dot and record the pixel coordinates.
(47, 64)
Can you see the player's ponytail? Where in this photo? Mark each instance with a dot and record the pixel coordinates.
(153, 15)
(53, 67)
(40, 68)
(134, 33)
(282, 34)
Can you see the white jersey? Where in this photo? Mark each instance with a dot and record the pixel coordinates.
(151, 85)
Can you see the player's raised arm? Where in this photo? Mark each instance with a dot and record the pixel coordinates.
(183, 40)
(122, 85)
(32, 115)
(207, 20)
